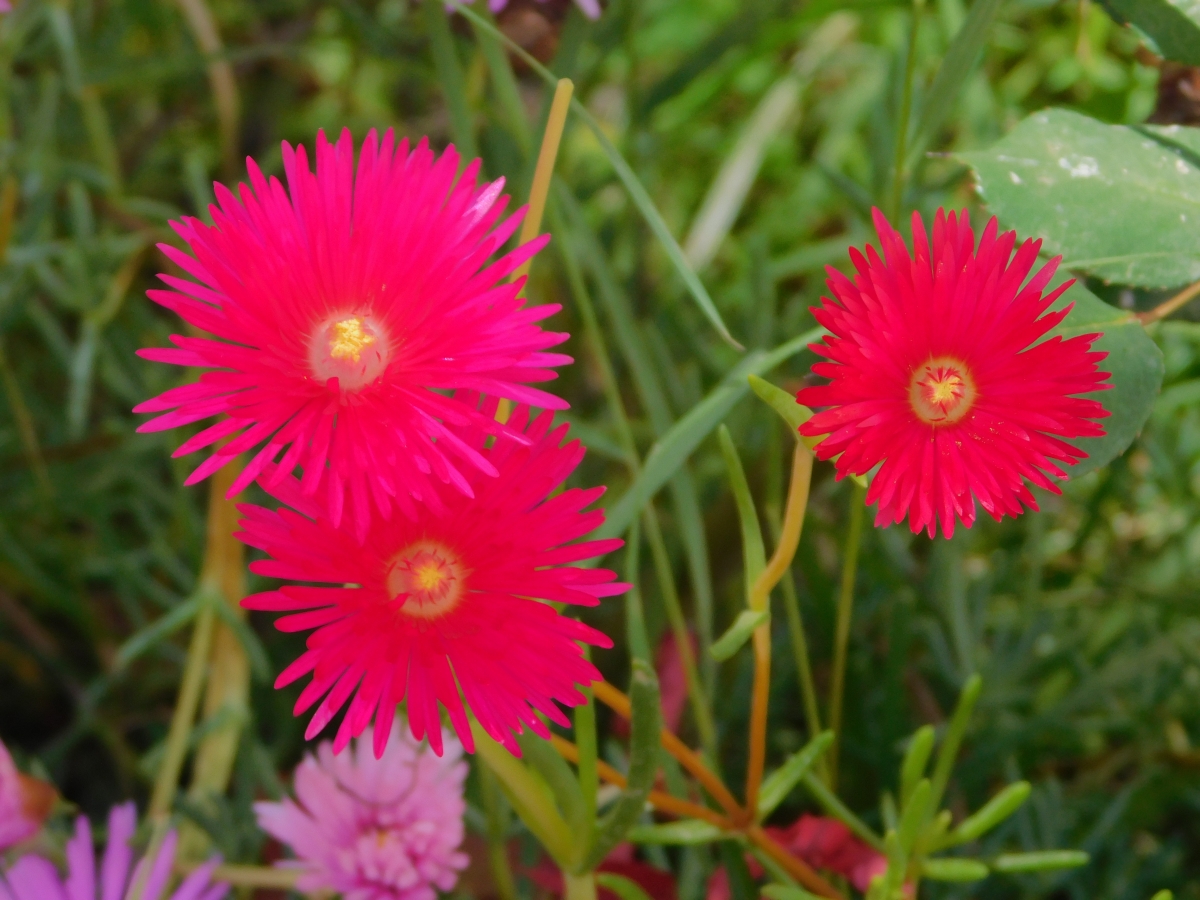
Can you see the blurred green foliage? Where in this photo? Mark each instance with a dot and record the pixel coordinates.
(1081, 619)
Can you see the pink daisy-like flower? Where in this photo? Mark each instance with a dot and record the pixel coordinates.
(375, 829)
(936, 378)
(347, 308)
(35, 878)
(24, 802)
(424, 608)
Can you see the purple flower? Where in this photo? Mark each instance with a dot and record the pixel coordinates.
(35, 878)
(24, 802)
(375, 829)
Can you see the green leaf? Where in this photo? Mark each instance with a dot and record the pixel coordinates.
(450, 76)
(948, 751)
(954, 869)
(738, 633)
(1040, 861)
(993, 812)
(839, 810)
(754, 555)
(776, 786)
(793, 413)
(643, 766)
(958, 63)
(916, 758)
(158, 630)
(641, 199)
(545, 760)
(1173, 25)
(1137, 369)
(673, 448)
(683, 832)
(1061, 176)
(787, 892)
(1164, 894)
(913, 815)
(621, 886)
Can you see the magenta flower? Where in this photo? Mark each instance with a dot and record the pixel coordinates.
(375, 829)
(346, 309)
(35, 878)
(24, 802)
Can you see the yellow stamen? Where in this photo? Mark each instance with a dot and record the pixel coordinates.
(349, 339)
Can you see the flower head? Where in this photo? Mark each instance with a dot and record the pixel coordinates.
(345, 309)
(935, 376)
(24, 802)
(423, 608)
(375, 829)
(590, 8)
(35, 878)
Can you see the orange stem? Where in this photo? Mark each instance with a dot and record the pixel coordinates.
(689, 759)
(797, 868)
(684, 809)
(758, 718)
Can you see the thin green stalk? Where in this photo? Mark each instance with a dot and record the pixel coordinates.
(796, 632)
(450, 75)
(496, 813)
(167, 781)
(504, 84)
(845, 613)
(585, 740)
(683, 641)
(910, 70)
(635, 615)
(580, 887)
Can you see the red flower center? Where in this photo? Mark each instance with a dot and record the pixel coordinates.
(350, 347)
(941, 391)
(428, 578)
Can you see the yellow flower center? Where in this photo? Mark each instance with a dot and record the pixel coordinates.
(353, 348)
(942, 391)
(428, 579)
(349, 339)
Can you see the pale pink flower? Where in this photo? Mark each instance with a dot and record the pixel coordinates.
(375, 829)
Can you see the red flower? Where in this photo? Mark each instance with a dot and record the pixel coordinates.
(347, 307)
(935, 376)
(425, 609)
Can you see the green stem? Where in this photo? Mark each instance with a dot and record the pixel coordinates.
(497, 834)
(167, 781)
(585, 740)
(683, 641)
(910, 69)
(450, 75)
(580, 887)
(635, 615)
(845, 612)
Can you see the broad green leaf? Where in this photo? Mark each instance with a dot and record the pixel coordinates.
(1173, 25)
(776, 786)
(1136, 366)
(954, 869)
(1040, 861)
(674, 447)
(643, 766)
(738, 633)
(685, 831)
(993, 812)
(1113, 201)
